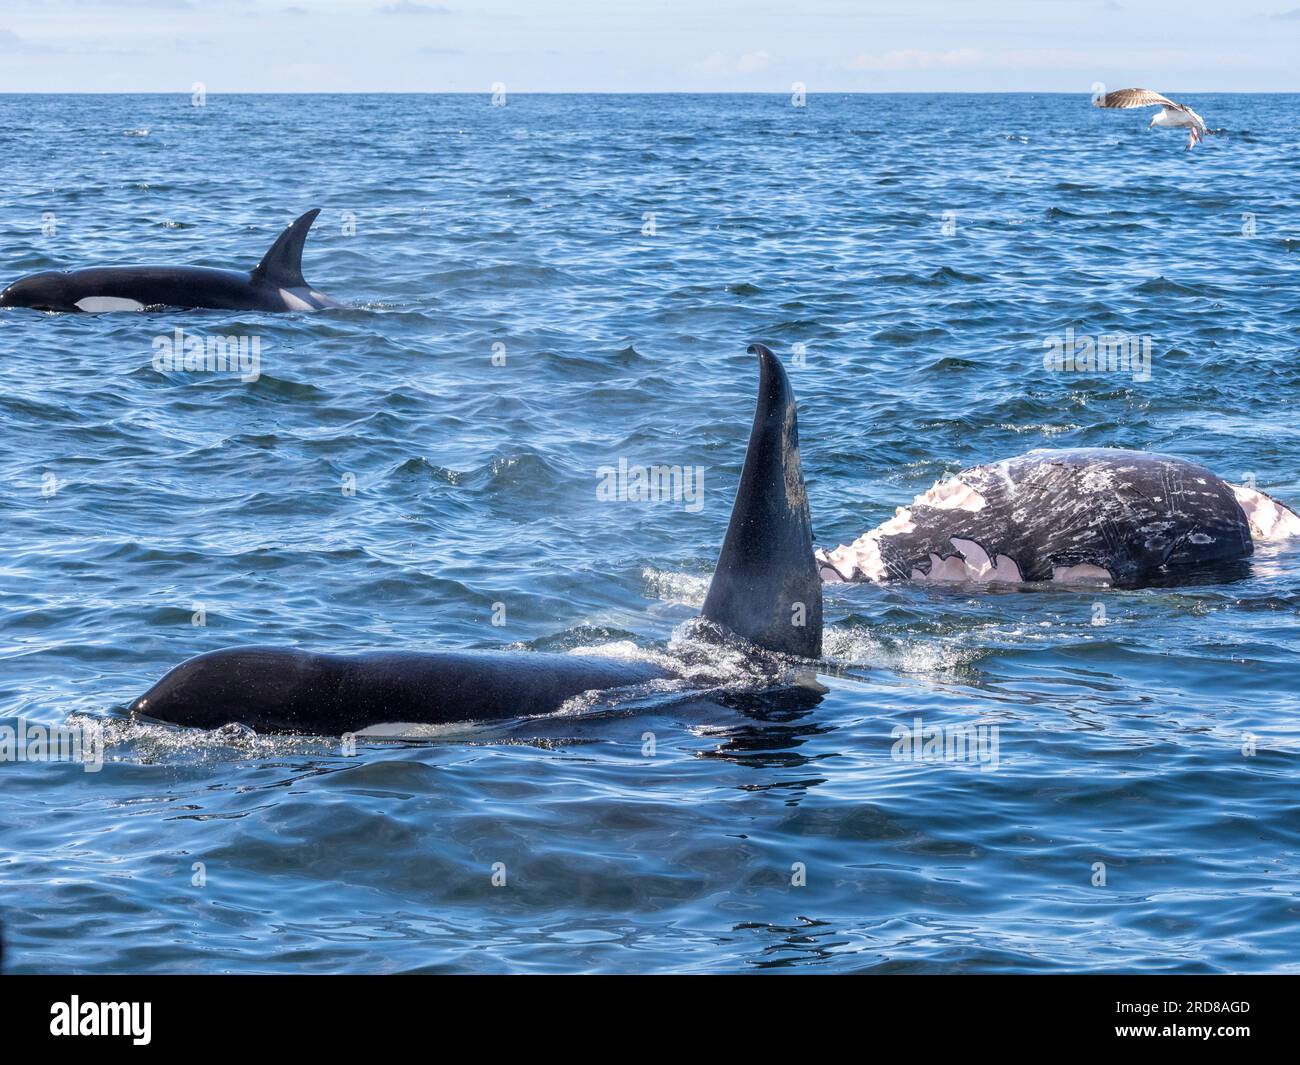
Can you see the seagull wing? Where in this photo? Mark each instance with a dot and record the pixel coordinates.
(1149, 98)
(1137, 98)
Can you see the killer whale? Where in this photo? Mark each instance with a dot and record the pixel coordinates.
(765, 590)
(275, 284)
(1127, 519)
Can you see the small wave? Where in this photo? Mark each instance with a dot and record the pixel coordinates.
(951, 362)
(630, 697)
(506, 473)
(711, 658)
(859, 646)
(628, 356)
(422, 467)
(579, 637)
(505, 275)
(1163, 286)
(279, 387)
(909, 333)
(705, 660)
(1080, 189)
(129, 739)
(1044, 428)
(685, 589)
(945, 275)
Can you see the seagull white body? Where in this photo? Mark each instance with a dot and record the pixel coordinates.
(1187, 117)
(1171, 114)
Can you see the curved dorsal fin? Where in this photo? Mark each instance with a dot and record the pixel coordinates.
(766, 587)
(282, 265)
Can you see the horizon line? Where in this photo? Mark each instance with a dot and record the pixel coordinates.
(616, 92)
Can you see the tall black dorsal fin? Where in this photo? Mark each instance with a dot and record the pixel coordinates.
(766, 587)
(282, 265)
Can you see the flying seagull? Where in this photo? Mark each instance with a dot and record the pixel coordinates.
(1170, 113)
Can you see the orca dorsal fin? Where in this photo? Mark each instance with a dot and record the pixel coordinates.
(766, 587)
(282, 265)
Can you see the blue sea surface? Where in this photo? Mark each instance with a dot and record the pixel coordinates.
(542, 289)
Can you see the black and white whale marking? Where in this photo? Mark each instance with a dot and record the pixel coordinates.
(765, 589)
(1105, 515)
(275, 284)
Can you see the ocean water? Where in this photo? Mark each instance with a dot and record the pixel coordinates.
(385, 483)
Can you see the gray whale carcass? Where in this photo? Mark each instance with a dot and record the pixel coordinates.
(1097, 515)
(765, 589)
(275, 284)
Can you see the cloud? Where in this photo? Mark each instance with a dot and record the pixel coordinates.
(719, 63)
(1034, 59)
(408, 7)
(918, 59)
(12, 44)
(1288, 16)
(136, 3)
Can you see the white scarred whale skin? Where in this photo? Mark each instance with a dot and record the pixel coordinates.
(1123, 517)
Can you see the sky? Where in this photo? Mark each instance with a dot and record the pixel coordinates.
(648, 45)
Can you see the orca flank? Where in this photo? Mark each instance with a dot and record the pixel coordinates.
(275, 284)
(765, 589)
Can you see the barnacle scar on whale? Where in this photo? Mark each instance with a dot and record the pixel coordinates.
(275, 284)
(1095, 515)
(765, 589)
